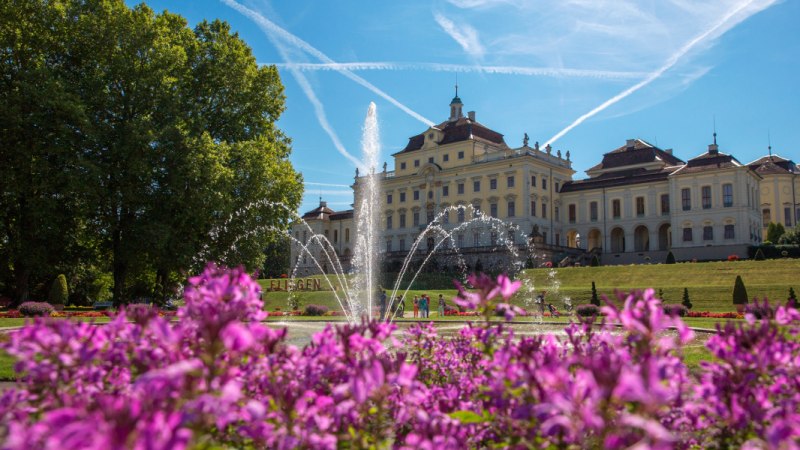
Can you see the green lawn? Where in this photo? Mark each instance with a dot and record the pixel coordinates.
(710, 284)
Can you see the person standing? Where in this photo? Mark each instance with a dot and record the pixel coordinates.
(423, 305)
(441, 305)
(383, 305)
(416, 306)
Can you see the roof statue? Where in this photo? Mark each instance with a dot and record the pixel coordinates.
(525, 140)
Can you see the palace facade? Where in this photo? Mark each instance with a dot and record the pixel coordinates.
(637, 204)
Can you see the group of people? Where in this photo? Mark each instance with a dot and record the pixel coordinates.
(422, 306)
(421, 303)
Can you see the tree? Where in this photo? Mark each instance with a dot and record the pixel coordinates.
(739, 292)
(759, 256)
(686, 301)
(670, 258)
(59, 294)
(129, 137)
(791, 237)
(775, 231)
(595, 300)
(276, 261)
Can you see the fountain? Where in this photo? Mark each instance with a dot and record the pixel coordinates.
(359, 292)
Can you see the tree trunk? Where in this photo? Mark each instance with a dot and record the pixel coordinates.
(120, 267)
(22, 275)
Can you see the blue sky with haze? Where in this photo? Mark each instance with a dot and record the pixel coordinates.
(583, 74)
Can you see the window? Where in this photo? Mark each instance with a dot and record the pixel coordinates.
(430, 195)
(402, 220)
(686, 199)
(461, 215)
(708, 233)
(687, 234)
(460, 188)
(493, 184)
(403, 166)
(593, 211)
(639, 206)
(512, 209)
(446, 218)
(493, 238)
(416, 163)
(556, 186)
(445, 191)
(729, 232)
(347, 234)
(476, 239)
(476, 186)
(416, 218)
(556, 214)
(430, 160)
(705, 193)
(476, 210)
(664, 204)
(402, 197)
(493, 210)
(388, 245)
(571, 213)
(305, 237)
(727, 195)
(510, 181)
(416, 195)
(429, 215)
(544, 210)
(402, 244)
(389, 223)
(445, 157)
(616, 208)
(533, 208)
(765, 216)
(460, 240)
(787, 216)
(460, 155)
(335, 236)
(533, 180)
(544, 183)
(388, 198)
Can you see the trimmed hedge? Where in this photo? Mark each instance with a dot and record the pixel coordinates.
(587, 311)
(36, 309)
(315, 310)
(674, 309)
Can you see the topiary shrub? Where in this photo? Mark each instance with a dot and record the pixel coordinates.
(595, 262)
(587, 311)
(792, 299)
(36, 309)
(670, 258)
(739, 293)
(686, 301)
(674, 309)
(58, 291)
(759, 256)
(315, 310)
(595, 301)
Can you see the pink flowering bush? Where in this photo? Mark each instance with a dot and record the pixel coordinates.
(220, 378)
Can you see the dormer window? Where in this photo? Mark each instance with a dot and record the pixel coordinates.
(430, 136)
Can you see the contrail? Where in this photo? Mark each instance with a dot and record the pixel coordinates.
(671, 61)
(327, 192)
(464, 68)
(310, 183)
(272, 29)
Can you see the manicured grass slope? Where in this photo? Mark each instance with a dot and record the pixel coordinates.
(710, 284)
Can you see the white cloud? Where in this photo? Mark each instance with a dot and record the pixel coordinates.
(728, 20)
(555, 72)
(465, 35)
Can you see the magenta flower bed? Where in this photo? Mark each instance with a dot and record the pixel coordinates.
(219, 378)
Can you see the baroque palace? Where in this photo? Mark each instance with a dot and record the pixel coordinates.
(637, 204)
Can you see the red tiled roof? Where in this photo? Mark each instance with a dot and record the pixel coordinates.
(618, 178)
(641, 152)
(460, 130)
(773, 164)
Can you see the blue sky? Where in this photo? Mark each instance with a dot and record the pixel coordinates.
(583, 74)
